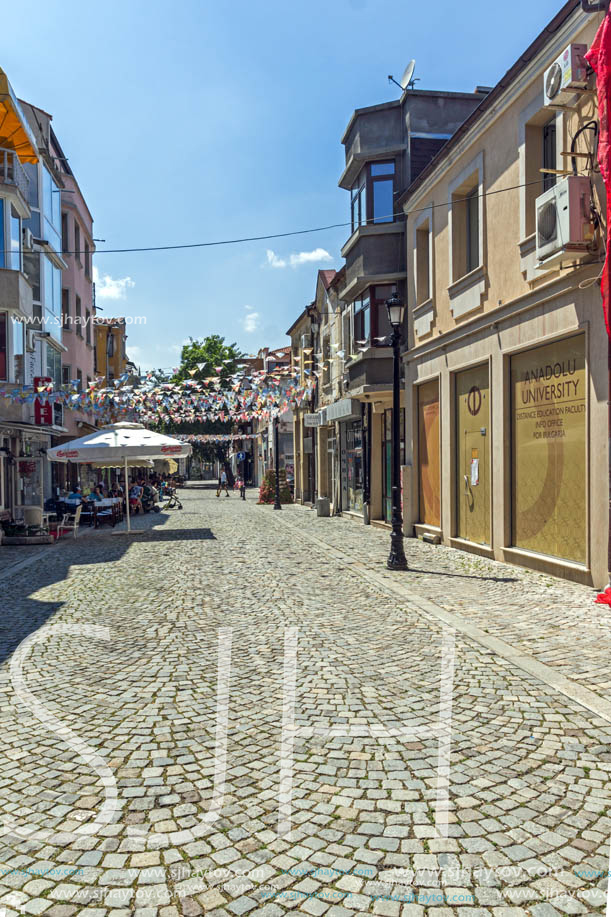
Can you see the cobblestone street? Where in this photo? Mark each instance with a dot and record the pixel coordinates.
(264, 725)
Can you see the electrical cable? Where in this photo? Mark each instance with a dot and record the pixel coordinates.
(296, 232)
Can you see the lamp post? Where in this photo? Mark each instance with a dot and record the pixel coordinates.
(277, 504)
(396, 558)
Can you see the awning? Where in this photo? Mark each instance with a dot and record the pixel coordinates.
(15, 133)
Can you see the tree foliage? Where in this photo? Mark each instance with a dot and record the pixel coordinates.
(210, 358)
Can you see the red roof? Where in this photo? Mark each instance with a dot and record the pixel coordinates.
(327, 277)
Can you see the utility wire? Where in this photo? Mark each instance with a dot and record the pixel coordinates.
(296, 232)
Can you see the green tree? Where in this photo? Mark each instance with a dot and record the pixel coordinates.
(201, 360)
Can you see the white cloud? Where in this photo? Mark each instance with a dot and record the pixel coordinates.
(297, 258)
(250, 322)
(107, 287)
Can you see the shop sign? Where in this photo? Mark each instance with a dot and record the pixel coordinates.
(43, 411)
(312, 420)
(549, 442)
(345, 409)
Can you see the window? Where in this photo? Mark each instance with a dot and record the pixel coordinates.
(87, 261)
(358, 203)
(66, 309)
(79, 377)
(381, 326)
(3, 348)
(466, 255)
(88, 382)
(110, 344)
(382, 191)
(15, 252)
(326, 360)
(66, 377)
(77, 242)
(31, 170)
(423, 263)
(31, 267)
(65, 240)
(538, 137)
(88, 326)
(78, 320)
(54, 366)
(18, 335)
(549, 153)
(52, 210)
(362, 327)
(2, 246)
(472, 230)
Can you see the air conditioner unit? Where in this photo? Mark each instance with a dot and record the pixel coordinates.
(306, 341)
(566, 74)
(564, 220)
(28, 239)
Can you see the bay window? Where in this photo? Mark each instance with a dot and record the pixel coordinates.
(362, 320)
(358, 203)
(372, 198)
(382, 191)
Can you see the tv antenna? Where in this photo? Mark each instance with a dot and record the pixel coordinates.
(407, 80)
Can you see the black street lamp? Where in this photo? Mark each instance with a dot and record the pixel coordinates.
(396, 559)
(277, 504)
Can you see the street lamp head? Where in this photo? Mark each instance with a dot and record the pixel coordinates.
(396, 310)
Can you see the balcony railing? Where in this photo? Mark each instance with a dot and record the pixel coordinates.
(12, 172)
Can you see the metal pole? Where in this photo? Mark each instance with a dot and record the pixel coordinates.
(396, 558)
(277, 504)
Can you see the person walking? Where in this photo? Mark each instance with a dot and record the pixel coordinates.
(222, 484)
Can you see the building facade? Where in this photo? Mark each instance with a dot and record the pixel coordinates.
(507, 369)
(111, 360)
(386, 147)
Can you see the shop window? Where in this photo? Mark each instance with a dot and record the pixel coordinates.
(549, 435)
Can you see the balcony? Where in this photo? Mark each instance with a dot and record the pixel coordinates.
(14, 180)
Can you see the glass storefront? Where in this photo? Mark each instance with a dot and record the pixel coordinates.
(352, 466)
(548, 420)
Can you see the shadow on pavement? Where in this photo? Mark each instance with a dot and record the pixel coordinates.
(22, 614)
(487, 579)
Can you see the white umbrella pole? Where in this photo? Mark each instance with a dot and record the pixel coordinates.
(127, 497)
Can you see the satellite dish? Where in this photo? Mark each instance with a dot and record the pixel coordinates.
(406, 79)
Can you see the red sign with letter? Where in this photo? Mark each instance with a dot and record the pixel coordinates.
(43, 413)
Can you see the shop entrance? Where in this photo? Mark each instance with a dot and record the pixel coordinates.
(473, 455)
(428, 453)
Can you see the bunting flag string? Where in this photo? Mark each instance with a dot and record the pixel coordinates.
(241, 397)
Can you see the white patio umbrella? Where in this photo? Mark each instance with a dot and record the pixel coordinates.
(118, 445)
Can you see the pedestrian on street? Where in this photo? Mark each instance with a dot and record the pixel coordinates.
(222, 484)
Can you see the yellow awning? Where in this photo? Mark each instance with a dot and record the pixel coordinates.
(15, 133)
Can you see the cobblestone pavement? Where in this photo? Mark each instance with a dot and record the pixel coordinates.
(140, 709)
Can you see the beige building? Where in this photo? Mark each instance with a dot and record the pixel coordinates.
(506, 374)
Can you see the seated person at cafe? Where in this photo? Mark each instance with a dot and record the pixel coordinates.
(135, 497)
(75, 496)
(96, 495)
(116, 490)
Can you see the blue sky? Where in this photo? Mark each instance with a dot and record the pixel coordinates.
(201, 120)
